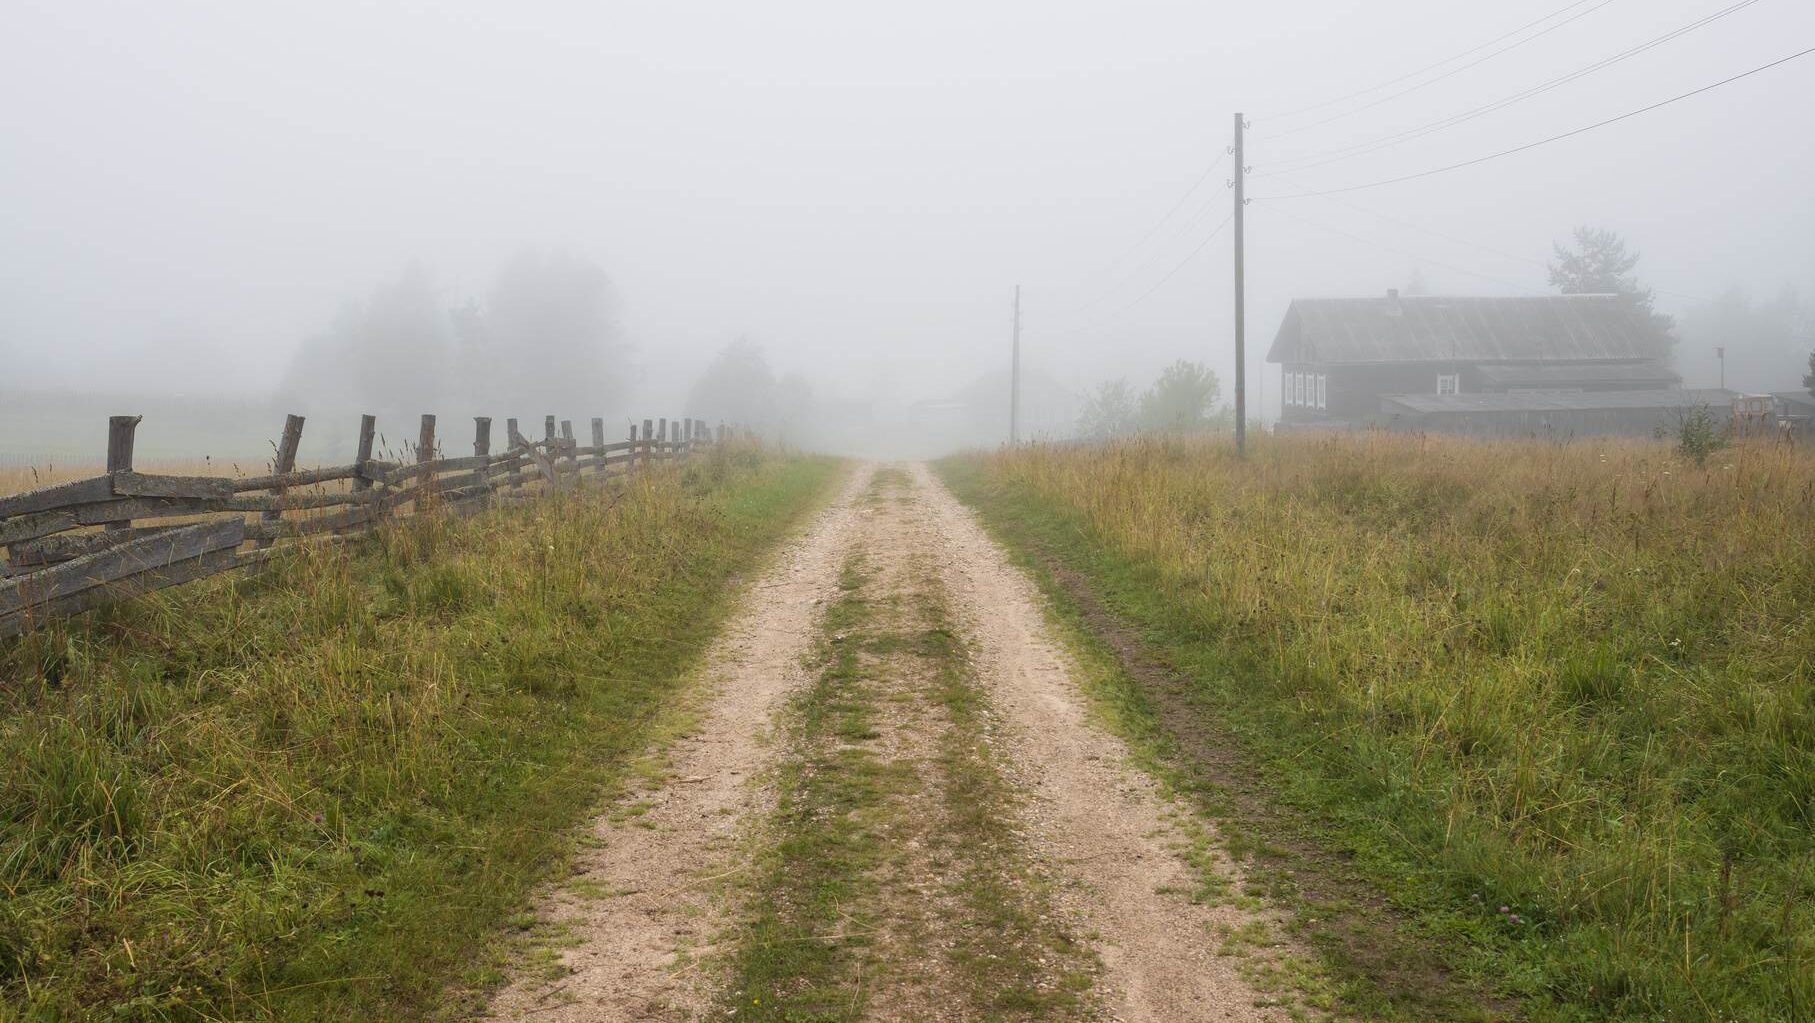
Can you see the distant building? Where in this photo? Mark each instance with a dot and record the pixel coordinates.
(1559, 365)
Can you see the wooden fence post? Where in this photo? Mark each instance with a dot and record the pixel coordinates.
(661, 443)
(425, 453)
(282, 465)
(482, 448)
(568, 447)
(648, 448)
(120, 433)
(512, 440)
(598, 441)
(368, 432)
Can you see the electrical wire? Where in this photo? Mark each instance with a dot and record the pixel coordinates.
(1471, 243)
(1447, 74)
(1546, 141)
(1340, 153)
(1428, 67)
(1400, 252)
(1156, 286)
(1112, 271)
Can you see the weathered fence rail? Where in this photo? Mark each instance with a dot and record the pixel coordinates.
(81, 544)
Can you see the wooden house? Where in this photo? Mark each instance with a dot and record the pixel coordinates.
(1340, 359)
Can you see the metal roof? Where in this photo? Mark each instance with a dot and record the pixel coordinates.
(1557, 401)
(1539, 328)
(1576, 374)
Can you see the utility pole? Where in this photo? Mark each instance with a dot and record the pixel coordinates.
(1241, 368)
(1014, 378)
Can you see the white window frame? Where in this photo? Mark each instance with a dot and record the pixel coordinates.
(1298, 388)
(1323, 390)
(1452, 380)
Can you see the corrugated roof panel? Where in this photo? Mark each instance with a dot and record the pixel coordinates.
(1435, 329)
(1557, 401)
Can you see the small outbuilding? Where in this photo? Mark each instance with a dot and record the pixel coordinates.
(1553, 414)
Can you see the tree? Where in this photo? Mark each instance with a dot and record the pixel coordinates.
(386, 353)
(1602, 265)
(1415, 284)
(1109, 411)
(1762, 339)
(1182, 399)
(737, 387)
(545, 339)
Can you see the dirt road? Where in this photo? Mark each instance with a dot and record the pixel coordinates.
(894, 804)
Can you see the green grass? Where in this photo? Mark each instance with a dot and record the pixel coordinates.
(801, 956)
(1574, 681)
(325, 791)
(892, 877)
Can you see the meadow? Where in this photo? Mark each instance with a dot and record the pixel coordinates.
(322, 791)
(1555, 700)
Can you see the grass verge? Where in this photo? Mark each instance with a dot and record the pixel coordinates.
(319, 793)
(1524, 729)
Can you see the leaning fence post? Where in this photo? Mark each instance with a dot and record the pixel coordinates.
(425, 454)
(120, 432)
(368, 432)
(512, 441)
(282, 465)
(482, 448)
(568, 447)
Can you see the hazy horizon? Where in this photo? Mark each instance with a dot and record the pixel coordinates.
(194, 190)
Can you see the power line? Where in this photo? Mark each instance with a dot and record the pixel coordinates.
(1218, 229)
(1447, 74)
(1341, 153)
(1459, 240)
(1156, 286)
(1115, 278)
(1400, 252)
(1553, 138)
(1429, 67)
(1502, 253)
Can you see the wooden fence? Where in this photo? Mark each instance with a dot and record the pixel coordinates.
(78, 545)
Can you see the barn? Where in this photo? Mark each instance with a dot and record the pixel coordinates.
(1350, 361)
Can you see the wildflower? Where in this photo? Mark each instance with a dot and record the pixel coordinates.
(1504, 909)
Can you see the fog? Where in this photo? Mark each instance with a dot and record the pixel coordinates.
(192, 193)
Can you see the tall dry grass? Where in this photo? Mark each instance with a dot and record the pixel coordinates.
(1577, 680)
(322, 792)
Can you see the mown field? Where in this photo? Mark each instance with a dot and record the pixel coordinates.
(1556, 702)
(318, 793)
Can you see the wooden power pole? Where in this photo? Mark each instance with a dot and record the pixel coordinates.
(1241, 369)
(1014, 378)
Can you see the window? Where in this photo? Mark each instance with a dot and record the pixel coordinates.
(1449, 383)
(1323, 390)
(1298, 388)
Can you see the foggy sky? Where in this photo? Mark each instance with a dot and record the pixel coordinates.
(191, 189)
